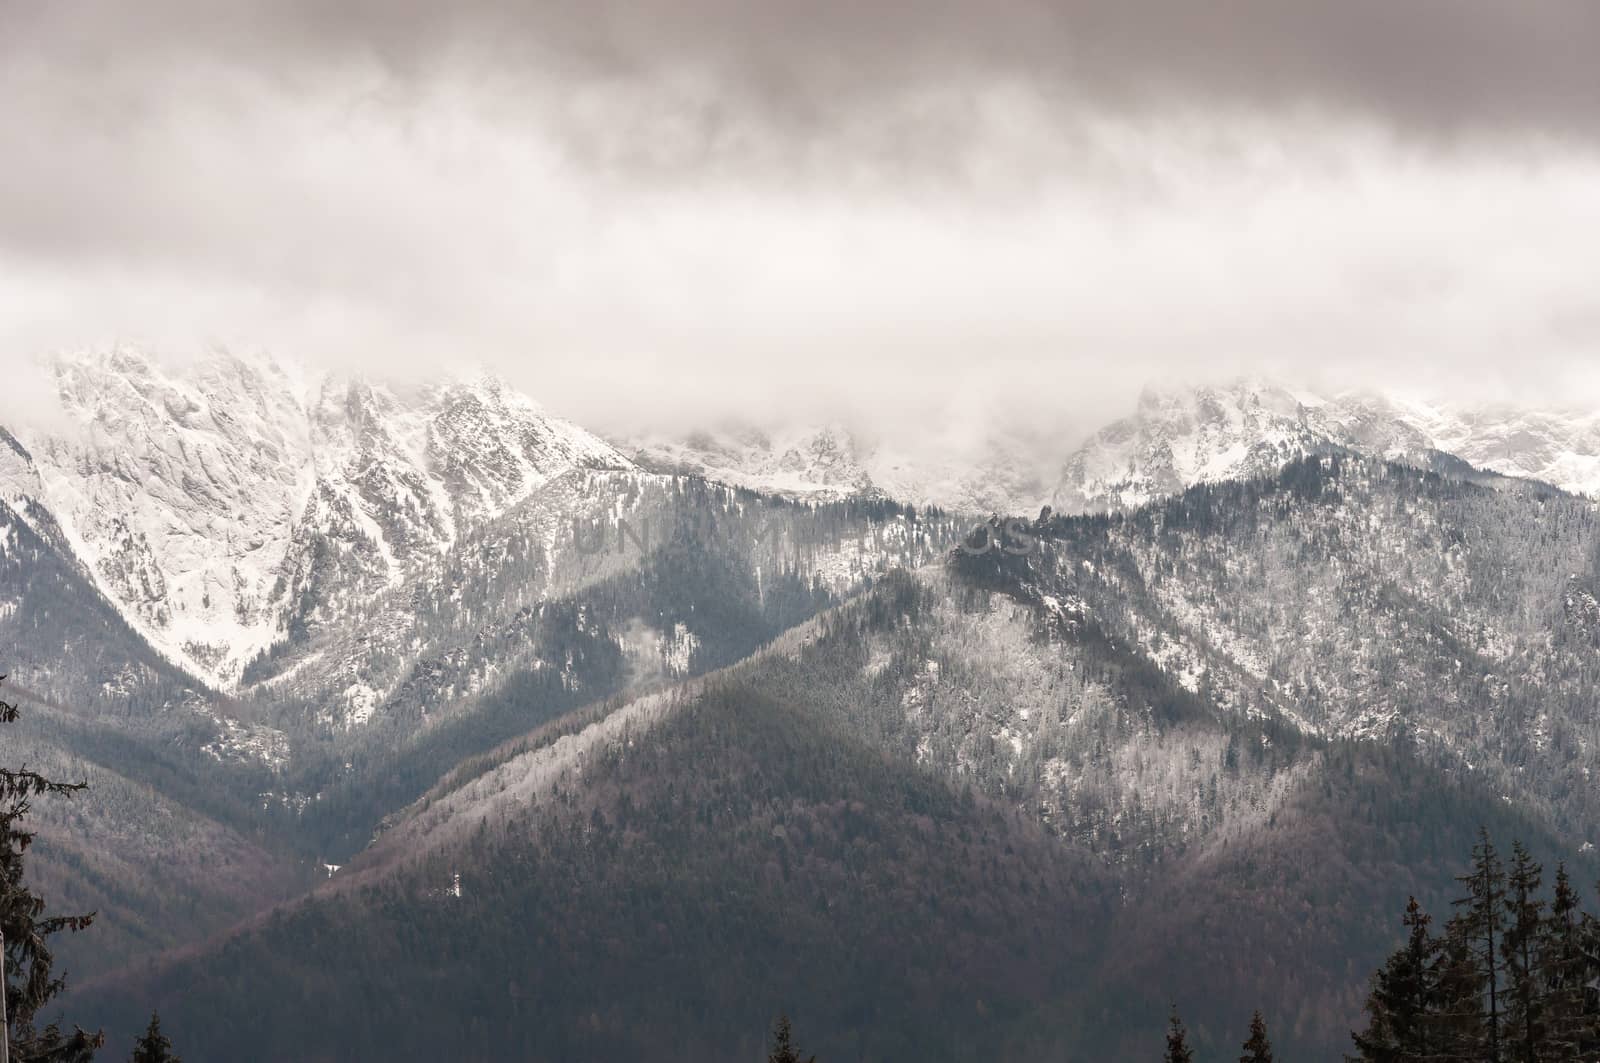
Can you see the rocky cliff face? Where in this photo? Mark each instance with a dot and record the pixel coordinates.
(232, 504)
(226, 504)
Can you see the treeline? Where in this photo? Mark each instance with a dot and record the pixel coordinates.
(1257, 1048)
(28, 982)
(1511, 978)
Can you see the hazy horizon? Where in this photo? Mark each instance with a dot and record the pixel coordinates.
(952, 427)
(714, 210)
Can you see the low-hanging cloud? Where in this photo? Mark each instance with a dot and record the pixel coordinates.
(689, 206)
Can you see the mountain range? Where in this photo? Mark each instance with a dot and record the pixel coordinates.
(1177, 436)
(442, 724)
(197, 496)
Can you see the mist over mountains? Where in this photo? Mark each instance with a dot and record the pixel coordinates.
(356, 669)
(198, 494)
(1008, 531)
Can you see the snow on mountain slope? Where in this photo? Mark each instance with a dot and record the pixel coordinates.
(1177, 436)
(1004, 473)
(474, 619)
(178, 492)
(1363, 600)
(1555, 446)
(823, 463)
(228, 502)
(1180, 437)
(232, 503)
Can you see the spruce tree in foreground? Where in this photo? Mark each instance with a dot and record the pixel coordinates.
(29, 983)
(1402, 994)
(1564, 965)
(153, 1047)
(1532, 998)
(1521, 945)
(1481, 922)
(1178, 1050)
(1258, 1049)
(783, 1050)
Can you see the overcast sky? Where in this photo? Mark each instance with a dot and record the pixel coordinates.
(679, 208)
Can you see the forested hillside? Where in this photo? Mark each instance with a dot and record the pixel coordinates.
(1360, 599)
(208, 806)
(1063, 827)
(744, 854)
(164, 844)
(640, 759)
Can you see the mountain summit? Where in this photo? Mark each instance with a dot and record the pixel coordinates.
(214, 500)
(228, 502)
(1179, 437)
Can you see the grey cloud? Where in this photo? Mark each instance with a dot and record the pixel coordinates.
(1436, 68)
(706, 204)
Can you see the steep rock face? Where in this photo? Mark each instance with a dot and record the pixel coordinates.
(1177, 438)
(1555, 446)
(366, 451)
(491, 447)
(228, 504)
(179, 491)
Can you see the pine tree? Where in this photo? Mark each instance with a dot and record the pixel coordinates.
(28, 982)
(154, 1047)
(1178, 1050)
(1400, 1025)
(1482, 922)
(1521, 945)
(1258, 1049)
(783, 1050)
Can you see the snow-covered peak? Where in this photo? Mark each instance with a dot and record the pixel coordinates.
(492, 447)
(1180, 436)
(219, 501)
(228, 502)
(1560, 447)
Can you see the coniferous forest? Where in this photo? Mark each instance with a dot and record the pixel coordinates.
(1508, 977)
(1511, 975)
(741, 755)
